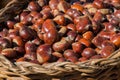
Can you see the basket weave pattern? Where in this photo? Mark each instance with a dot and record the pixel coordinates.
(98, 69)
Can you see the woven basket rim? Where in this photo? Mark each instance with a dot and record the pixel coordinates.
(52, 69)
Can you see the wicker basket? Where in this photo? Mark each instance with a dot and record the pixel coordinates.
(97, 69)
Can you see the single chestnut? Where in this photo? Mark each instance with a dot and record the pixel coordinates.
(17, 41)
(9, 53)
(57, 54)
(109, 27)
(88, 53)
(61, 45)
(71, 27)
(60, 19)
(98, 4)
(98, 17)
(73, 13)
(83, 25)
(46, 12)
(62, 59)
(96, 57)
(77, 7)
(82, 59)
(71, 36)
(19, 50)
(36, 41)
(106, 51)
(107, 43)
(72, 59)
(98, 40)
(34, 6)
(85, 42)
(10, 24)
(5, 43)
(30, 47)
(23, 15)
(116, 40)
(4, 32)
(106, 34)
(69, 53)
(53, 4)
(44, 53)
(88, 35)
(77, 47)
(30, 56)
(27, 33)
(63, 6)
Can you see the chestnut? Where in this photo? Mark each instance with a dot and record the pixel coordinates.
(78, 7)
(17, 41)
(71, 27)
(98, 50)
(98, 40)
(10, 24)
(42, 2)
(62, 31)
(71, 36)
(57, 54)
(63, 6)
(4, 32)
(50, 31)
(83, 25)
(30, 56)
(106, 34)
(117, 13)
(18, 26)
(60, 19)
(88, 35)
(73, 13)
(36, 41)
(5, 43)
(61, 45)
(19, 50)
(78, 37)
(53, 4)
(69, 53)
(72, 59)
(46, 12)
(107, 43)
(98, 4)
(30, 47)
(116, 40)
(9, 53)
(61, 59)
(36, 17)
(88, 53)
(109, 27)
(13, 33)
(34, 6)
(106, 51)
(96, 57)
(50, 37)
(77, 47)
(27, 20)
(82, 59)
(85, 42)
(44, 53)
(23, 15)
(98, 17)
(27, 33)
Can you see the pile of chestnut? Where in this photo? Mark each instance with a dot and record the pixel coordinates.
(62, 30)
